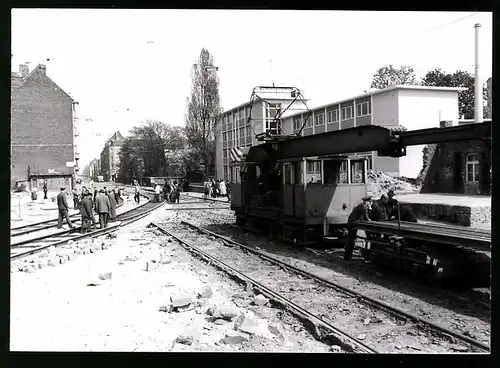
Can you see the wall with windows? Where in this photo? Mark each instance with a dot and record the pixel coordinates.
(460, 168)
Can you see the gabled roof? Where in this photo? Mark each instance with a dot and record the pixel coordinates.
(37, 72)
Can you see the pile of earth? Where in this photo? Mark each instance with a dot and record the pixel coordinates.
(379, 183)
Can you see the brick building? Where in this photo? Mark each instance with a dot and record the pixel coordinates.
(459, 168)
(110, 157)
(42, 139)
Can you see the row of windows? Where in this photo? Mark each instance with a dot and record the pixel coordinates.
(347, 112)
(238, 133)
(236, 115)
(335, 172)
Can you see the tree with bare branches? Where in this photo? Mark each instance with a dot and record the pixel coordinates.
(203, 108)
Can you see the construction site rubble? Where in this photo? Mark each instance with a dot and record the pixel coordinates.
(379, 183)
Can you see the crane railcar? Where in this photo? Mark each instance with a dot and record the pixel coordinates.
(302, 190)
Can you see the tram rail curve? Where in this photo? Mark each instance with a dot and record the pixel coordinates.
(34, 245)
(420, 329)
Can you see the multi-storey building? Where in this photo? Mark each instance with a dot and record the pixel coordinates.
(110, 157)
(413, 107)
(42, 139)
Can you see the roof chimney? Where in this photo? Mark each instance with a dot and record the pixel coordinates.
(43, 69)
(24, 70)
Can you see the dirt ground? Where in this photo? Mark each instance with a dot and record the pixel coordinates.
(129, 312)
(132, 311)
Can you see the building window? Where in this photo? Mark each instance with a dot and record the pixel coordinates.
(247, 111)
(224, 137)
(357, 171)
(313, 172)
(241, 113)
(224, 153)
(309, 121)
(249, 131)
(347, 113)
(363, 109)
(333, 116)
(297, 123)
(234, 116)
(225, 172)
(472, 167)
(319, 119)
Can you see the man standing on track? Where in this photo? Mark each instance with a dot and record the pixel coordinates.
(62, 206)
(102, 208)
(137, 196)
(360, 212)
(87, 213)
(157, 193)
(45, 190)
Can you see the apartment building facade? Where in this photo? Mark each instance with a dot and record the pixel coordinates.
(413, 107)
(42, 136)
(110, 157)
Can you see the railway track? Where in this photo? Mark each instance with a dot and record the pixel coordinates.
(349, 319)
(44, 225)
(27, 247)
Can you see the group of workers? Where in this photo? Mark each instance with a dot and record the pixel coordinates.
(102, 202)
(217, 189)
(386, 208)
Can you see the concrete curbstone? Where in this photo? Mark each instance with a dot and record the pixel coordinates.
(205, 292)
(260, 300)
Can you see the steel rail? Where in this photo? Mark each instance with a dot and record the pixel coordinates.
(396, 312)
(123, 222)
(343, 339)
(35, 226)
(57, 234)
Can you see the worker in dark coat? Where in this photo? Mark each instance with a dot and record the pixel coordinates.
(379, 209)
(112, 206)
(45, 190)
(62, 206)
(360, 212)
(87, 212)
(102, 206)
(405, 213)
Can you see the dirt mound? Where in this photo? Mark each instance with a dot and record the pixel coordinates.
(380, 183)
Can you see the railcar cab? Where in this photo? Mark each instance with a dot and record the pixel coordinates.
(321, 192)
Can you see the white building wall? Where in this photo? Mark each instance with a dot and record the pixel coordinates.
(421, 109)
(385, 113)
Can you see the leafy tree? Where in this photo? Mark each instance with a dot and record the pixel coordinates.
(438, 78)
(145, 152)
(389, 75)
(203, 107)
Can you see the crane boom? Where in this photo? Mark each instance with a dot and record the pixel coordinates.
(376, 138)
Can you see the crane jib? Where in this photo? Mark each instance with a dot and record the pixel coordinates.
(377, 138)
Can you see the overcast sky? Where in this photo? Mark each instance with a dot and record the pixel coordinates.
(106, 61)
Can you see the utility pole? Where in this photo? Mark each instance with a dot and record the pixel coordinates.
(478, 85)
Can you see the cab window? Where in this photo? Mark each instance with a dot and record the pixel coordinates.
(335, 172)
(313, 172)
(357, 171)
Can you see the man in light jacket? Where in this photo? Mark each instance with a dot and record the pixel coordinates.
(102, 207)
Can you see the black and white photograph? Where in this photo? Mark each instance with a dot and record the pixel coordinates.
(253, 181)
